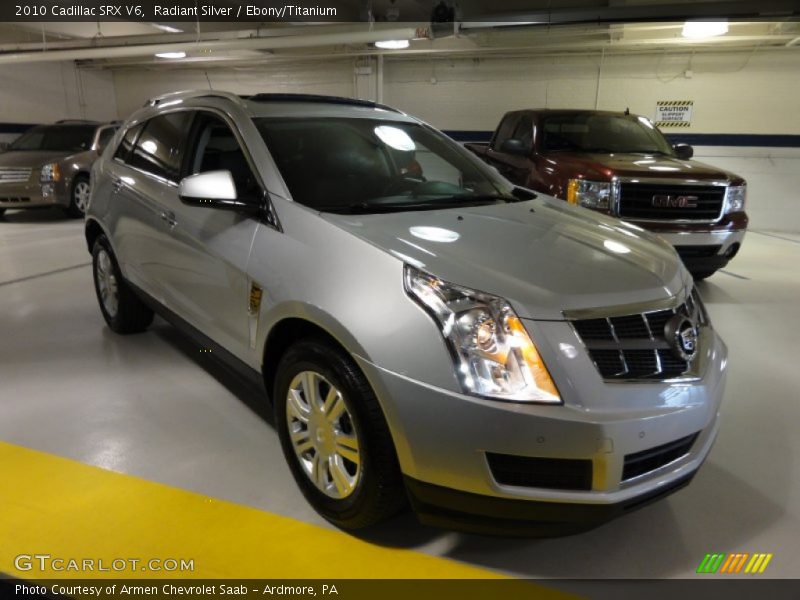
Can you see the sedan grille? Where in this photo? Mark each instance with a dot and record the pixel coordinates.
(649, 460)
(14, 175)
(657, 202)
(635, 346)
(552, 473)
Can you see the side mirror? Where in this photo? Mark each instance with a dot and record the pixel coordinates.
(4, 146)
(515, 146)
(214, 189)
(683, 151)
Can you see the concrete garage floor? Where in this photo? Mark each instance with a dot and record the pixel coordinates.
(153, 406)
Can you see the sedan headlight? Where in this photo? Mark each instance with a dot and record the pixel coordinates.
(50, 173)
(734, 198)
(590, 194)
(493, 354)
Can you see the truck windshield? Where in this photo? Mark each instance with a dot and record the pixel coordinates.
(72, 138)
(355, 165)
(604, 134)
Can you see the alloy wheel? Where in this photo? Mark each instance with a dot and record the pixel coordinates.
(107, 283)
(323, 434)
(81, 194)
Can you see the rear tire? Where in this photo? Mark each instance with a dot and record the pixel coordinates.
(79, 197)
(361, 486)
(122, 309)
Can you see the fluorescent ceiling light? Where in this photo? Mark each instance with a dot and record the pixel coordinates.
(392, 44)
(704, 29)
(166, 28)
(171, 55)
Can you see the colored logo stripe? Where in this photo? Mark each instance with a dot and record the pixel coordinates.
(734, 563)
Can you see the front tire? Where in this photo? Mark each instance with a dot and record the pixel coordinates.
(122, 309)
(701, 275)
(334, 436)
(79, 197)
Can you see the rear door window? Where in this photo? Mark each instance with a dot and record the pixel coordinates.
(159, 149)
(128, 142)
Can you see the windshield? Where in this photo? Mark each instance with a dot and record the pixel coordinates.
(603, 133)
(58, 138)
(368, 165)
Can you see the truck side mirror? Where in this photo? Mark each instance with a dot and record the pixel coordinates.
(515, 146)
(683, 151)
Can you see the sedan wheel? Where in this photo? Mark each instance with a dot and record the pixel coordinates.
(323, 435)
(80, 195)
(107, 283)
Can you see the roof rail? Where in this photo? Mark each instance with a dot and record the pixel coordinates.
(86, 121)
(283, 97)
(186, 94)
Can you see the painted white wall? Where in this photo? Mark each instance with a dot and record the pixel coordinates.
(740, 92)
(46, 92)
(337, 78)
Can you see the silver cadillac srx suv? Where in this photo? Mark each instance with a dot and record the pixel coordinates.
(426, 330)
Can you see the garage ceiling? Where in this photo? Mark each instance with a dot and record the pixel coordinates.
(523, 28)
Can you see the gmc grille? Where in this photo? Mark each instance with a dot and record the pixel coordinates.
(660, 202)
(635, 346)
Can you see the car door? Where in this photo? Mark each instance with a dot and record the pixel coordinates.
(132, 215)
(205, 278)
(149, 189)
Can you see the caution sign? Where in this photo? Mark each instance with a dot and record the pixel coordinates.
(673, 113)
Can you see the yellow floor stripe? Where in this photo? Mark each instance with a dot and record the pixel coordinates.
(52, 505)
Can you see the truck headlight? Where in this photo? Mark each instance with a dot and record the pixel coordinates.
(734, 198)
(493, 354)
(590, 194)
(50, 173)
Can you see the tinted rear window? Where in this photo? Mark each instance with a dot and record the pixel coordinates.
(58, 138)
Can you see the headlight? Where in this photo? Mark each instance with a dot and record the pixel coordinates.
(50, 173)
(734, 198)
(493, 354)
(591, 194)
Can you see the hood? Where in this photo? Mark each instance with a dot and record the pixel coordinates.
(544, 256)
(606, 166)
(30, 159)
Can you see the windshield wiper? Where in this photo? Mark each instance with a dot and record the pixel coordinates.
(457, 201)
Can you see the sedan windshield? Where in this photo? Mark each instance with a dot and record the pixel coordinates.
(603, 134)
(72, 138)
(352, 165)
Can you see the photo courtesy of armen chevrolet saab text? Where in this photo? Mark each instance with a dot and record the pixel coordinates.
(428, 333)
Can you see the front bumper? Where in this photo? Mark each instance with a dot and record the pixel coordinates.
(705, 250)
(31, 195)
(443, 437)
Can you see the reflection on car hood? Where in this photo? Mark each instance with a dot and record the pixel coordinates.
(544, 255)
(31, 159)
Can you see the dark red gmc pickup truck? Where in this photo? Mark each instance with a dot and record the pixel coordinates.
(621, 165)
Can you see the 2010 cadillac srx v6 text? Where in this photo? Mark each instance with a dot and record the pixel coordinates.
(426, 330)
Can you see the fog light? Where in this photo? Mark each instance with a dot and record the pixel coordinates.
(47, 190)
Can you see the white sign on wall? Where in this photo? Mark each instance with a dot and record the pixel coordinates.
(674, 113)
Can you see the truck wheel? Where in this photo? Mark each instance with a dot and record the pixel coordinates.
(122, 309)
(334, 436)
(79, 197)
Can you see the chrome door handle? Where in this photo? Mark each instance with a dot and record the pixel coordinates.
(169, 218)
